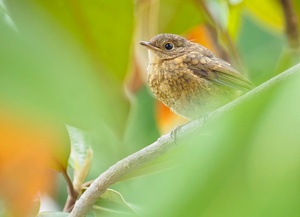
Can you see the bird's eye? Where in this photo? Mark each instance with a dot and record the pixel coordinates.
(169, 46)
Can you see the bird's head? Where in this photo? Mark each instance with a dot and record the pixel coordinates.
(166, 46)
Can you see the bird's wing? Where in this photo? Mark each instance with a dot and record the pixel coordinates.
(217, 71)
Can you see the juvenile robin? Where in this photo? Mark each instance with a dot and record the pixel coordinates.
(188, 78)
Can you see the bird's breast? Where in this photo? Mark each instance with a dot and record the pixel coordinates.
(173, 83)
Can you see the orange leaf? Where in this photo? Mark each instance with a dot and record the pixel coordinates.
(201, 35)
(26, 153)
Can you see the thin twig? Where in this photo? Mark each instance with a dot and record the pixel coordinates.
(72, 194)
(291, 24)
(80, 175)
(162, 145)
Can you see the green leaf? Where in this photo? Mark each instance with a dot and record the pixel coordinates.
(113, 202)
(80, 147)
(178, 16)
(69, 43)
(45, 80)
(234, 20)
(98, 33)
(267, 12)
(81, 156)
(46, 69)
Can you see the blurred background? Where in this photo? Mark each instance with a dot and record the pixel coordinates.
(79, 64)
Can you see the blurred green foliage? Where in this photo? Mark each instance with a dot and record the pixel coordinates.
(71, 60)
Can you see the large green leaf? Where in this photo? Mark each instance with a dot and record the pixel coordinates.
(46, 72)
(47, 67)
(104, 28)
(89, 48)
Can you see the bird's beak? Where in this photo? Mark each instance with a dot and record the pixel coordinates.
(149, 45)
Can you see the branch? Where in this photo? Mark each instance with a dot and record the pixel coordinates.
(291, 23)
(162, 145)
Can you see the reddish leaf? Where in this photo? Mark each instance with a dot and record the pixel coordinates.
(27, 149)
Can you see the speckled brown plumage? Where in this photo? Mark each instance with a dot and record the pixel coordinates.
(188, 78)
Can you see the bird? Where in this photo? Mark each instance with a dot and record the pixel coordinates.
(188, 78)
